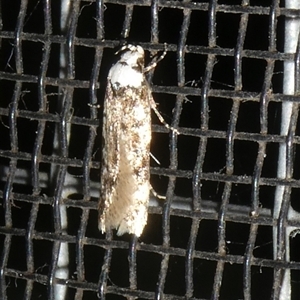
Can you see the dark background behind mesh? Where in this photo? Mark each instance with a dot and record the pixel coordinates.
(204, 234)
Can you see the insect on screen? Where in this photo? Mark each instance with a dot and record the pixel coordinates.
(227, 166)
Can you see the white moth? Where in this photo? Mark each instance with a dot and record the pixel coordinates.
(125, 173)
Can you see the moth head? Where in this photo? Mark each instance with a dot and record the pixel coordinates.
(132, 55)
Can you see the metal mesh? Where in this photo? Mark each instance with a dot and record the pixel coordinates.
(228, 229)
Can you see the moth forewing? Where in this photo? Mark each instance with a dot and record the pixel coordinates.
(125, 173)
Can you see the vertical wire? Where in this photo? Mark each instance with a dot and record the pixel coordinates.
(292, 29)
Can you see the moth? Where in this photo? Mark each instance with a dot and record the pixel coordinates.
(125, 173)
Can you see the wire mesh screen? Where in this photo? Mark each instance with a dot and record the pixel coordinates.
(229, 83)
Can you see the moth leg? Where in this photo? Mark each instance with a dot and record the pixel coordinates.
(154, 158)
(94, 105)
(161, 118)
(155, 194)
(154, 64)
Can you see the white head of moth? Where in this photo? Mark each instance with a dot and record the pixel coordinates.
(125, 173)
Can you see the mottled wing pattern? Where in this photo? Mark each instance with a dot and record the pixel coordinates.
(125, 173)
(110, 152)
(126, 193)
